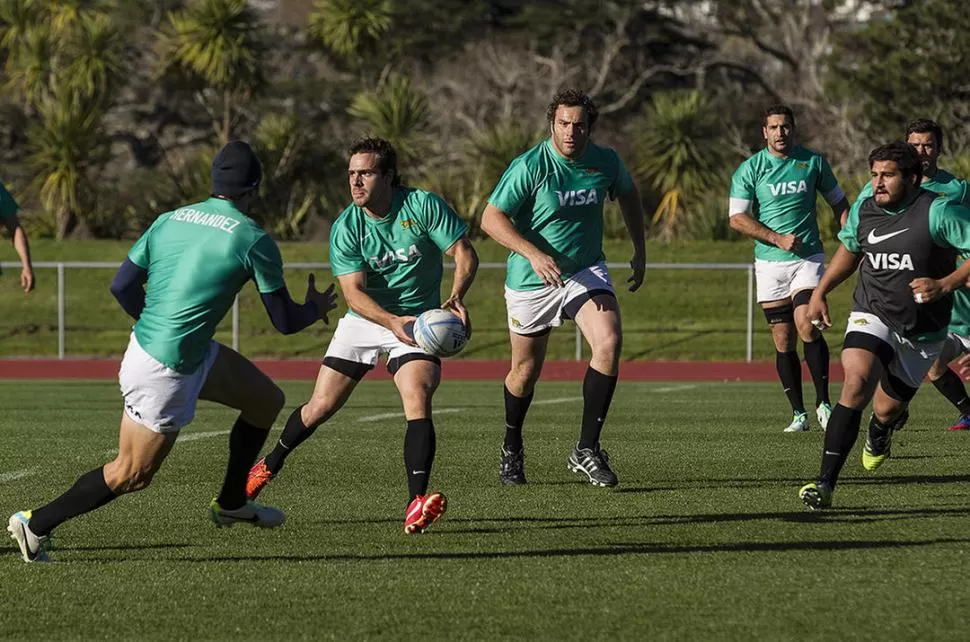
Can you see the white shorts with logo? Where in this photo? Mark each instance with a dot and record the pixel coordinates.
(532, 311)
(778, 280)
(156, 396)
(911, 360)
(362, 341)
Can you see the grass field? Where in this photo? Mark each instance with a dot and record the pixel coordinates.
(703, 539)
(678, 314)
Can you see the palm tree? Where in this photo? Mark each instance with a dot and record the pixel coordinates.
(681, 151)
(95, 56)
(346, 27)
(396, 111)
(62, 145)
(219, 44)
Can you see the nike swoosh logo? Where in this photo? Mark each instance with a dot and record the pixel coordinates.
(829, 452)
(252, 518)
(417, 510)
(875, 238)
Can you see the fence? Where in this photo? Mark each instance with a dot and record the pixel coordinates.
(62, 266)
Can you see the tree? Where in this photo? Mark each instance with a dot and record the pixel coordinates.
(63, 60)
(682, 153)
(907, 66)
(398, 112)
(214, 45)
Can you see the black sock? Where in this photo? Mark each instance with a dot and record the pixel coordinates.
(790, 374)
(840, 436)
(294, 434)
(817, 358)
(597, 394)
(951, 387)
(419, 449)
(515, 409)
(89, 492)
(245, 442)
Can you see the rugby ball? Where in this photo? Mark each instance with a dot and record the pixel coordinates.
(440, 332)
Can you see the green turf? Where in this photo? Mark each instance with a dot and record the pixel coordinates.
(704, 538)
(678, 314)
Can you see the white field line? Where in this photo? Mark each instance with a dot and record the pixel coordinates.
(14, 475)
(540, 402)
(393, 415)
(194, 436)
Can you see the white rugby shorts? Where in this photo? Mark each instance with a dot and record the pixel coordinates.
(532, 311)
(156, 396)
(362, 341)
(777, 280)
(911, 360)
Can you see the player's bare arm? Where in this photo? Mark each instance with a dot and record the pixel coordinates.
(841, 267)
(22, 247)
(497, 225)
(354, 287)
(745, 224)
(632, 210)
(466, 266)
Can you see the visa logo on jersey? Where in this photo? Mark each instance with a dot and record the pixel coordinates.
(577, 197)
(394, 256)
(890, 261)
(789, 187)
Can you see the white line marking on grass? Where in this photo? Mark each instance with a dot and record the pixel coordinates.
(674, 388)
(192, 436)
(539, 402)
(546, 402)
(14, 475)
(394, 415)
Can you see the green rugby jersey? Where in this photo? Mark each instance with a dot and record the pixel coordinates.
(8, 206)
(556, 204)
(955, 189)
(949, 227)
(400, 253)
(198, 257)
(780, 194)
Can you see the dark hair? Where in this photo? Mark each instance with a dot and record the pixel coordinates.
(923, 126)
(573, 98)
(778, 110)
(901, 153)
(386, 156)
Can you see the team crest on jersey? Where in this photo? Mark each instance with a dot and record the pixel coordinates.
(406, 223)
(801, 165)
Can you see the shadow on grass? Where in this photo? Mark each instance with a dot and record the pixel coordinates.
(616, 550)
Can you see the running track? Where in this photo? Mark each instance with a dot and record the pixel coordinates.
(290, 369)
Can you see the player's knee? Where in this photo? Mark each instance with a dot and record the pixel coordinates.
(526, 372)
(318, 410)
(608, 345)
(854, 387)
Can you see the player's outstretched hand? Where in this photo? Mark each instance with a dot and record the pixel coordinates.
(818, 312)
(639, 265)
(458, 307)
(546, 269)
(403, 329)
(326, 300)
